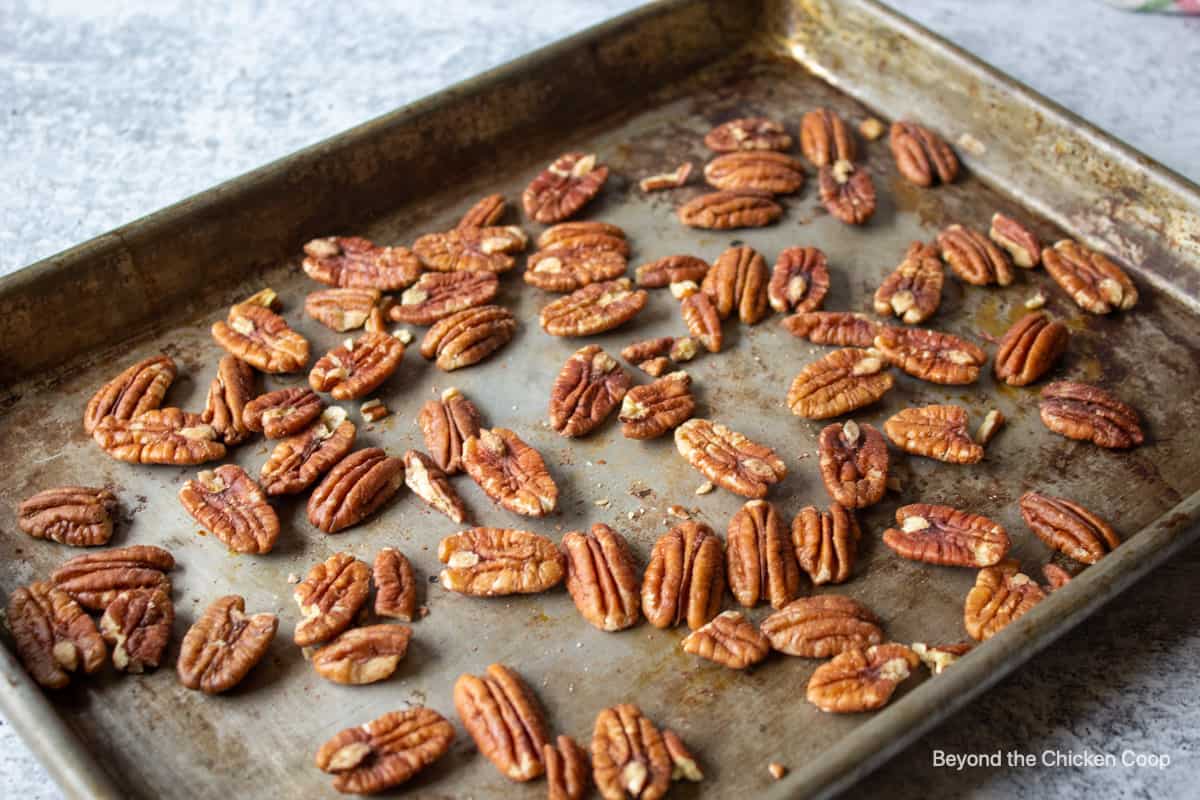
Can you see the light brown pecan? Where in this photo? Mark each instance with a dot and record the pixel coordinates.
(79, 516)
(1029, 348)
(567, 770)
(973, 257)
(467, 337)
(230, 391)
(504, 718)
(799, 280)
(825, 138)
(283, 412)
(351, 262)
(847, 192)
(946, 536)
(354, 489)
(701, 318)
(330, 597)
(357, 367)
(471, 249)
(446, 424)
(1093, 281)
(53, 635)
(1089, 413)
(826, 543)
(992, 422)
(510, 472)
(921, 155)
(297, 461)
(683, 350)
(1068, 527)
(374, 410)
(861, 680)
(931, 355)
(761, 170)
(667, 180)
(139, 388)
(223, 645)
(748, 133)
(601, 577)
(685, 578)
(570, 234)
(230, 505)
(564, 187)
(671, 269)
(437, 295)
(489, 562)
(759, 557)
(589, 387)
(913, 291)
(730, 640)
(1001, 594)
(629, 755)
(729, 459)
(853, 463)
(487, 211)
(872, 128)
(936, 431)
(577, 262)
(161, 436)
(639, 353)
(683, 764)
(137, 626)
(262, 339)
(738, 281)
(430, 483)
(838, 383)
(95, 579)
(822, 626)
(395, 585)
(596, 308)
(341, 309)
(651, 410)
(363, 655)
(839, 328)
(385, 752)
(1022, 246)
(940, 657)
(745, 208)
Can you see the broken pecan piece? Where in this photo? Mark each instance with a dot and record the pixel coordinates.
(138, 389)
(738, 281)
(430, 483)
(838, 383)
(700, 315)
(946, 536)
(667, 180)
(822, 626)
(853, 463)
(973, 257)
(1029, 348)
(730, 640)
(446, 424)
(913, 291)
(799, 280)
(939, 657)
(362, 655)
(510, 472)
(826, 543)
(1092, 280)
(745, 208)
(567, 770)
(467, 337)
(283, 412)
(357, 367)
(223, 645)
(230, 505)
(685, 578)
(931, 355)
(596, 308)
(1001, 594)
(671, 269)
(1068, 527)
(748, 133)
(921, 155)
(653, 409)
(1022, 246)
(395, 585)
(297, 461)
(729, 459)
(53, 635)
(639, 353)
(161, 436)
(230, 391)
(825, 138)
(95, 579)
(590, 387)
(471, 249)
(839, 328)
(330, 597)
(351, 262)
(487, 211)
(79, 516)
(1089, 413)
(761, 170)
(564, 187)
(354, 489)
(861, 680)
(1056, 576)
(847, 192)
(601, 577)
(629, 755)
(489, 562)
(341, 309)
(262, 339)
(683, 763)
(137, 626)
(936, 431)
(385, 752)
(759, 557)
(437, 295)
(504, 718)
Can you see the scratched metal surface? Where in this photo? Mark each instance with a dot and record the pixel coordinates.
(155, 738)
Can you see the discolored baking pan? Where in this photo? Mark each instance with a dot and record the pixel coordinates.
(640, 91)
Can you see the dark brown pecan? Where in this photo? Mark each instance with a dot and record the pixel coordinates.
(79, 516)
(946, 536)
(487, 211)
(1068, 527)
(590, 387)
(748, 133)
(825, 138)
(223, 645)
(738, 281)
(653, 409)
(601, 577)
(671, 269)
(467, 337)
(1001, 594)
(230, 505)
(667, 180)
(362, 655)
(730, 640)
(504, 718)
(1089, 413)
(1022, 246)
(973, 257)
(745, 208)
(861, 680)
(430, 483)
(230, 391)
(629, 755)
(139, 388)
(1029, 348)
(330, 597)
(799, 280)
(729, 459)
(931, 355)
(913, 291)
(759, 557)
(822, 626)
(162, 436)
(847, 192)
(567, 770)
(490, 562)
(700, 315)
(297, 461)
(685, 578)
(564, 187)
(53, 635)
(761, 170)
(386, 751)
(826, 543)
(354, 489)
(510, 472)
(446, 424)
(351, 262)
(357, 367)
(341, 309)
(838, 328)
(940, 657)
(137, 626)
(283, 412)
(395, 585)
(1093, 281)
(262, 339)
(839, 383)
(937, 431)
(471, 249)
(97, 578)
(921, 155)
(596, 308)
(853, 463)
(437, 295)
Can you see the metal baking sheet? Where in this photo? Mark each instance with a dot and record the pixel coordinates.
(640, 91)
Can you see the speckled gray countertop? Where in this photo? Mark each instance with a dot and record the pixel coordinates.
(109, 111)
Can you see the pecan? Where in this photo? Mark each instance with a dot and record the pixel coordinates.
(748, 133)
(95, 579)
(596, 308)
(601, 577)
(446, 424)
(838, 328)
(853, 463)
(262, 339)
(510, 472)
(471, 249)
(590, 387)
(799, 280)
(564, 187)
(567, 770)
(683, 350)
(283, 412)
(1056, 576)
(1022, 246)
(504, 718)
(437, 295)
(839, 383)
(825, 138)
(683, 763)
(488, 562)
(362, 655)
(667, 180)
(297, 461)
(571, 234)
(395, 585)
(53, 635)
(351, 262)
(1089, 413)
(577, 261)
(354, 489)
(1029, 348)
(230, 391)
(921, 155)
(467, 337)
(700, 315)
(1093, 281)
(847, 192)
(1001, 594)
(871, 128)
(137, 389)
(989, 427)
(671, 269)
(223, 645)
(357, 367)
(973, 257)
(913, 291)
(685, 578)
(487, 211)
(330, 597)
(341, 309)
(939, 657)
(227, 502)
(946, 536)
(639, 353)
(137, 625)
(730, 640)
(826, 543)
(629, 755)
(746, 208)
(738, 280)
(861, 680)
(430, 483)
(822, 626)
(374, 410)
(653, 409)
(761, 170)
(931, 355)
(79, 516)
(759, 557)
(385, 752)
(162, 436)
(729, 459)
(936, 431)
(1068, 527)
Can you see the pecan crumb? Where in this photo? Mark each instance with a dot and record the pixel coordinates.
(293, 578)
(989, 427)
(871, 128)
(972, 145)
(1036, 302)
(776, 769)
(374, 410)
(404, 335)
(705, 487)
(678, 511)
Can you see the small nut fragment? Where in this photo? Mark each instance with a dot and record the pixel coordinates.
(351, 262)
(759, 557)
(138, 389)
(487, 211)
(262, 339)
(564, 187)
(655, 367)
(430, 483)
(53, 635)
(1089, 413)
(283, 412)
(1068, 527)
(79, 516)
(227, 502)
(989, 427)
(913, 291)
(446, 424)
(825, 138)
(601, 577)
(587, 390)
(1021, 244)
(729, 459)
(596, 308)
(395, 585)
(504, 718)
(822, 626)
(684, 350)
(738, 281)
(921, 155)
(853, 463)
(223, 645)
(745, 208)
(374, 410)
(95, 579)
(489, 562)
(973, 257)
(137, 626)
(730, 640)
(940, 657)
(363, 655)
(510, 472)
(685, 578)
(1001, 594)
(777, 770)
(871, 128)
(1038, 300)
(230, 391)
(330, 597)
(700, 315)
(799, 280)
(386, 751)
(685, 766)
(839, 328)
(437, 295)
(161, 436)
(671, 269)
(1029, 348)
(946, 536)
(937, 431)
(629, 755)
(355, 369)
(651, 410)
(847, 192)
(297, 461)
(471, 249)
(1092, 280)
(748, 133)
(667, 180)
(931, 355)
(341, 309)
(838, 383)
(567, 770)
(1056, 577)
(826, 543)
(467, 337)
(761, 170)
(861, 680)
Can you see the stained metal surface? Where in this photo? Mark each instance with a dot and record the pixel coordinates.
(154, 737)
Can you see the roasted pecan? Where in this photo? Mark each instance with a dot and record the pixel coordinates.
(1068, 527)
(1056, 576)
(946, 536)
(161, 436)
(567, 770)
(989, 427)
(1029, 348)
(826, 543)
(137, 625)
(759, 557)
(1089, 413)
(590, 387)
(729, 459)
(601, 577)
(653, 409)
(577, 261)
(564, 187)
(262, 339)
(799, 280)
(230, 391)
(486, 211)
(1093, 281)
(374, 410)
(297, 461)
(97, 578)
(822, 626)
(939, 657)
(596, 308)
(430, 483)
(437, 295)
(761, 170)
(504, 718)
(937, 431)
(330, 597)
(354, 489)
(1001, 594)
(921, 155)
(931, 355)
(629, 755)
(230, 505)
(639, 353)
(355, 263)
(839, 328)
(54, 636)
(745, 208)
(395, 585)
(683, 350)
(223, 645)
(363, 655)
(471, 249)
(683, 763)
(738, 281)
(847, 192)
(498, 561)
(700, 315)
(357, 367)
(446, 424)
(386, 751)
(1022, 246)
(283, 412)
(510, 472)
(137, 389)
(839, 383)
(341, 309)
(685, 578)
(730, 640)
(467, 337)
(854, 463)
(825, 138)
(671, 269)
(913, 291)
(79, 516)
(667, 180)
(571, 234)
(861, 680)
(973, 257)
(748, 133)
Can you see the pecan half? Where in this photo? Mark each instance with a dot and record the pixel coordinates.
(913, 290)
(748, 133)
(431, 484)
(671, 269)
(395, 585)
(761, 170)
(1093, 281)
(354, 489)
(847, 192)
(564, 187)
(1029, 348)
(137, 626)
(799, 280)
(651, 410)
(921, 155)
(825, 138)
(839, 328)
(601, 577)
(590, 387)
(822, 626)
(53, 635)
(730, 640)
(861, 680)
(729, 459)
(467, 337)
(230, 391)
(471, 249)
(738, 281)
(437, 295)
(826, 543)
(745, 208)
(973, 257)
(567, 770)
(223, 645)
(759, 557)
(838, 383)
(575, 254)
(283, 412)
(629, 755)
(95, 579)
(230, 505)
(940, 657)
(341, 309)
(162, 436)
(946, 536)
(853, 463)
(297, 461)
(931, 355)
(1068, 527)
(937, 431)
(351, 262)
(701, 318)
(138, 389)
(596, 308)
(487, 211)
(1089, 413)
(385, 752)
(79, 516)
(330, 597)
(504, 718)
(489, 562)
(1022, 246)
(1001, 594)
(357, 367)
(685, 578)
(446, 424)
(262, 339)
(510, 472)
(363, 655)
